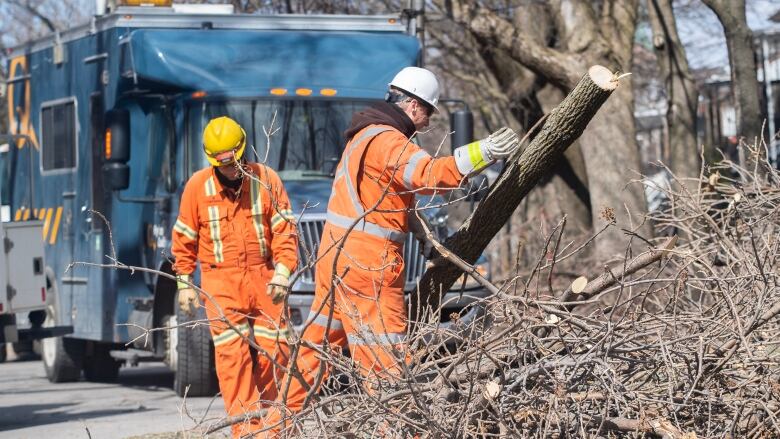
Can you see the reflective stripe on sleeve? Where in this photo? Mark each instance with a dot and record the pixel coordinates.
(414, 160)
(282, 216)
(215, 233)
(185, 230)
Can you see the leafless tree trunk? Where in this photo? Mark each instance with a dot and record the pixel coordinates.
(563, 126)
(681, 92)
(505, 92)
(744, 80)
(609, 147)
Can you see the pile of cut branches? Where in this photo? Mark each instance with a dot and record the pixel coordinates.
(677, 341)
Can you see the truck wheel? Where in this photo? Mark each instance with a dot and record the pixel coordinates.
(3, 353)
(101, 367)
(62, 357)
(194, 360)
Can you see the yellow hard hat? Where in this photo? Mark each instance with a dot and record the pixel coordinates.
(222, 135)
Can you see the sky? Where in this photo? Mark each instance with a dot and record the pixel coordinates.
(702, 33)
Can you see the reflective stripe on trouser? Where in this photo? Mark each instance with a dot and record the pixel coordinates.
(240, 294)
(369, 316)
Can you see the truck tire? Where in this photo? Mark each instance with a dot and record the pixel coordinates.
(194, 365)
(100, 367)
(62, 357)
(3, 353)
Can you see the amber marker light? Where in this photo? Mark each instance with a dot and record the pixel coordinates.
(328, 92)
(278, 91)
(391, 20)
(303, 91)
(108, 144)
(198, 94)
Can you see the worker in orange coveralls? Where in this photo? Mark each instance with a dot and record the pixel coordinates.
(380, 172)
(237, 222)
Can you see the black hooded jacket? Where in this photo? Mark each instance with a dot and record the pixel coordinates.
(382, 113)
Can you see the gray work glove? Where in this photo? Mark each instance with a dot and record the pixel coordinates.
(478, 155)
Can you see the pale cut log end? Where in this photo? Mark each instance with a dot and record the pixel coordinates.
(579, 285)
(603, 77)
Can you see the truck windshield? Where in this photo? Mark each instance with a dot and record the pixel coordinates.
(298, 138)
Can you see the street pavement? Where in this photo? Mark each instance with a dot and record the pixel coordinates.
(140, 405)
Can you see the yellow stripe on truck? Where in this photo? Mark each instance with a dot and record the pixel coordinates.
(47, 223)
(57, 217)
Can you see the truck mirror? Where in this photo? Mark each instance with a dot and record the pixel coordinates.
(462, 127)
(116, 176)
(117, 136)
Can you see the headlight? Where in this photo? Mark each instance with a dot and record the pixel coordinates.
(483, 268)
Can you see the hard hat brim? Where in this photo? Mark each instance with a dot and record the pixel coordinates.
(410, 94)
(239, 153)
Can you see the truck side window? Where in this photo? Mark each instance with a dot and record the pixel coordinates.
(58, 136)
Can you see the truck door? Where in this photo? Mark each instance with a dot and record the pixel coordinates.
(58, 170)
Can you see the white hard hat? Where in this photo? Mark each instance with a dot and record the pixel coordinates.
(418, 82)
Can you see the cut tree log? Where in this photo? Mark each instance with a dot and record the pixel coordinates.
(586, 290)
(523, 171)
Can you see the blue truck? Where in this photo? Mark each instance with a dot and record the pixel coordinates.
(114, 111)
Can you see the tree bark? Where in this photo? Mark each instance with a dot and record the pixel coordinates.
(609, 148)
(565, 191)
(744, 79)
(563, 126)
(681, 92)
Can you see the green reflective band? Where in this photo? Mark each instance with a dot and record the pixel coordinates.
(281, 216)
(271, 334)
(184, 229)
(211, 188)
(215, 233)
(231, 334)
(257, 215)
(475, 155)
(281, 269)
(181, 281)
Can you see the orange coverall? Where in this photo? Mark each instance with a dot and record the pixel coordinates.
(369, 313)
(239, 238)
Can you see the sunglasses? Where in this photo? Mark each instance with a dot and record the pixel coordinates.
(428, 108)
(225, 157)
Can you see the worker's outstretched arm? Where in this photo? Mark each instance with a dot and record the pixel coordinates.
(419, 171)
(411, 167)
